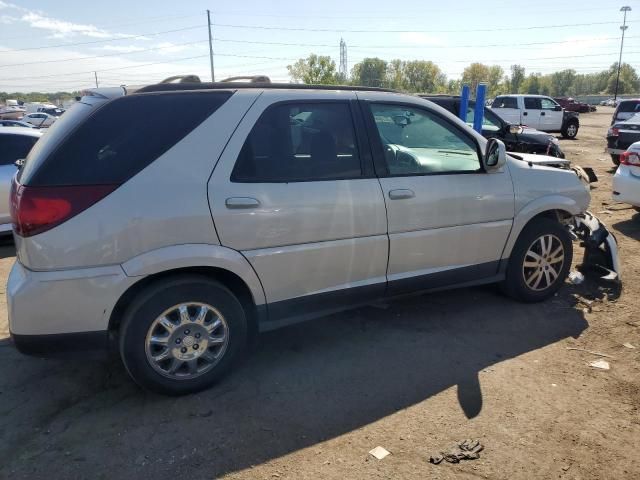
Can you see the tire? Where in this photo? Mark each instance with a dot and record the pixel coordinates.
(193, 326)
(570, 130)
(531, 284)
(615, 159)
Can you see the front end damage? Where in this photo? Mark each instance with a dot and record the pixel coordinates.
(600, 246)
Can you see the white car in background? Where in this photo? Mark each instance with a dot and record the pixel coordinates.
(626, 181)
(39, 119)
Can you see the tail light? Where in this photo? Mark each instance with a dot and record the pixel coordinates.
(630, 158)
(38, 209)
(613, 132)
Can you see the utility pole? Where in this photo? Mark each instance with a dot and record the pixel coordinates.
(213, 78)
(623, 28)
(95, 74)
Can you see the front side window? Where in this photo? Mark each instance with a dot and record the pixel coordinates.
(548, 104)
(297, 142)
(418, 142)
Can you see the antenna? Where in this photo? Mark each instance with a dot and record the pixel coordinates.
(343, 71)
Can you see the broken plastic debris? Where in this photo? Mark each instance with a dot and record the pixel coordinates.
(628, 345)
(601, 364)
(379, 452)
(576, 277)
(463, 450)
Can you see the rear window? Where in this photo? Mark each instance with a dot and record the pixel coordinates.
(14, 147)
(633, 106)
(119, 139)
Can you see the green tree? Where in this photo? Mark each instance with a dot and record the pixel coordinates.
(562, 81)
(315, 69)
(517, 78)
(495, 81)
(475, 74)
(423, 76)
(370, 72)
(531, 84)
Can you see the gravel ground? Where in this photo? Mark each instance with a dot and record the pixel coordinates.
(414, 376)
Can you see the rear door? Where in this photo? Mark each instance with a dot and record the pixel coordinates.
(531, 112)
(448, 219)
(550, 115)
(508, 109)
(295, 192)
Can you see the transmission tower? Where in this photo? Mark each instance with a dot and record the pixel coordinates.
(343, 70)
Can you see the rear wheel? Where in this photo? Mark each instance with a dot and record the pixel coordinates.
(539, 262)
(615, 159)
(570, 130)
(181, 335)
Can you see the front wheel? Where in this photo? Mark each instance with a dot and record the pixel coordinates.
(181, 335)
(570, 130)
(540, 261)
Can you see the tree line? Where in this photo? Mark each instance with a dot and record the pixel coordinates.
(425, 76)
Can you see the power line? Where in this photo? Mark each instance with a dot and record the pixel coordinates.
(340, 30)
(127, 37)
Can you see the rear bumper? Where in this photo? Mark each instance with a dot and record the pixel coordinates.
(626, 187)
(63, 310)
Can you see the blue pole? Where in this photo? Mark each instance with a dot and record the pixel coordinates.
(464, 103)
(479, 112)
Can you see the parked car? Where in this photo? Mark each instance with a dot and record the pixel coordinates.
(15, 144)
(15, 123)
(11, 112)
(516, 138)
(625, 110)
(225, 209)
(39, 120)
(626, 181)
(572, 105)
(537, 111)
(621, 135)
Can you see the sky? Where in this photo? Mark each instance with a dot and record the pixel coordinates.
(53, 45)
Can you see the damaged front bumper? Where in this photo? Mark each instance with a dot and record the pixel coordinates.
(600, 246)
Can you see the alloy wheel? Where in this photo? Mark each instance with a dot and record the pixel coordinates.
(543, 262)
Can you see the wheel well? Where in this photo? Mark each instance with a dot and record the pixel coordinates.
(561, 216)
(230, 280)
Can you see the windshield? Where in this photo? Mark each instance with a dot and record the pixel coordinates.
(489, 120)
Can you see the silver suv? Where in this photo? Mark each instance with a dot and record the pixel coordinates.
(178, 220)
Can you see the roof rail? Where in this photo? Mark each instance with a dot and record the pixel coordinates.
(231, 85)
(251, 78)
(182, 79)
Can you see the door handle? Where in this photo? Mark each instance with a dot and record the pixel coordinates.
(242, 202)
(524, 114)
(542, 114)
(401, 194)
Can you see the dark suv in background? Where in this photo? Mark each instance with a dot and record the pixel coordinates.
(516, 138)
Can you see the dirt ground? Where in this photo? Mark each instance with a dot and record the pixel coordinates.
(314, 398)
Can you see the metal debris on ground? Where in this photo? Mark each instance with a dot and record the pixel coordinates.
(589, 351)
(463, 450)
(576, 277)
(379, 452)
(628, 345)
(601, 364)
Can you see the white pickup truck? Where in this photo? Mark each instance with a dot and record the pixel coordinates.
(537, 111)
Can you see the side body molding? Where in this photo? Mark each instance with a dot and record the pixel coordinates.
(196, 255)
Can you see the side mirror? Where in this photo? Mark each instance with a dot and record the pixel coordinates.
(557, 108)
(495, 155)
(515, 129)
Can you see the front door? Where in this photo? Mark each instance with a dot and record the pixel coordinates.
(550, 115)
(448, 219)
(301, 202)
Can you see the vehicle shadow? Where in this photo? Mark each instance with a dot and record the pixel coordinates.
(630, 227)
(300, 386)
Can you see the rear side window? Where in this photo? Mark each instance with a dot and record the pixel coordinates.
(298, 142)
(505, 102)
(532, 103)
(629, 107)
(121, 138)
(14, 147)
